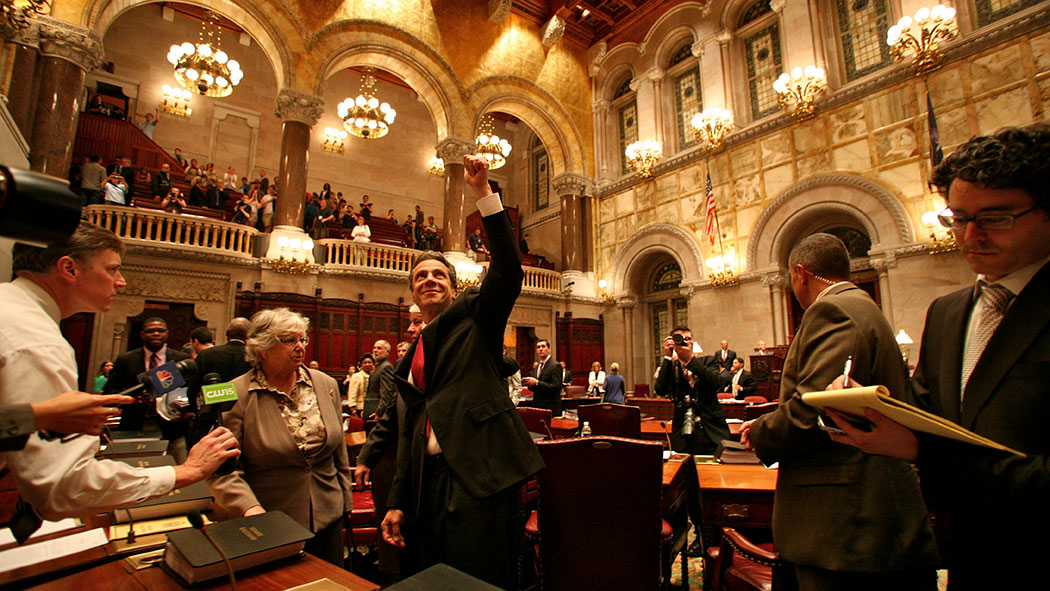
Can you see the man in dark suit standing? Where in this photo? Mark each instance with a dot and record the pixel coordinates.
(690, 382)
(126, 368)
(741, 383)
(463, 451)
(381, 382)
(226, 360)
(161, 181)
(845, 519)
(724, 357)
(983, 363)
(546, 382)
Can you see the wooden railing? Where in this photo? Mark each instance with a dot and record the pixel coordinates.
(367, 255)
(537, 279)
(174, 230)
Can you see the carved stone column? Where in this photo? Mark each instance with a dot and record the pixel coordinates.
(626, 305)
(724, 38)
(22, 55)
(571, 187)
(452, 150)
(883, 265)
(67, 51)
(600, 108)
(777, 313)
(656, 76)
(300, 112)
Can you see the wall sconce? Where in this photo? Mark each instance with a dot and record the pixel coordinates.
(603, 294)
(940, 241)
(468, 275)
(642, 156)
(294, 248)
(800, 88)
(437, 167)
(175, 101)
(721, 271)
(334, 140)
(904, 340)
(922, 36)
(711, 125)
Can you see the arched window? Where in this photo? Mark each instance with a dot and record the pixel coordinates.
(760, 31)
(989, 11)
(540, 175)
(626, 108)
(861, 27)
(857, 243)
(668, 276)
(684, 71)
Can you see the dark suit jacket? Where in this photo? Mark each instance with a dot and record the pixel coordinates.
(730, 356)
(547, 393)
(160, 184)
(703, 400)
(1006, 400)
(835, 507)
(273, 472)
(486, 445)
(381, 386)
(124, 374)
(747, 382)
(226, 360)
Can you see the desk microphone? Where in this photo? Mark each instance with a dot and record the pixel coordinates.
(663, 425)
(198, 523)
(547, 427)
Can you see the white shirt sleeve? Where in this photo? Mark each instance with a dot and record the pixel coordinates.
(490, 205)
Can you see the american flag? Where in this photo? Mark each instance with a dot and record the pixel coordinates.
(710, 211)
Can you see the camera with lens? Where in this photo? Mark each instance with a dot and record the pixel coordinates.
(678, 339)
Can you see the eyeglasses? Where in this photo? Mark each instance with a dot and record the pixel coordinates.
(291, 341)
(984, 221)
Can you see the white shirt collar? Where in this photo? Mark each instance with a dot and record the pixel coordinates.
(38, 293)
(828, 288)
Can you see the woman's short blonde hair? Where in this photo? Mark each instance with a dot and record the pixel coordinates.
(598, 364)
(267, 328)
(614, 367)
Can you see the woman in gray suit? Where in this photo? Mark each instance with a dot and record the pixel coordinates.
(288, 423)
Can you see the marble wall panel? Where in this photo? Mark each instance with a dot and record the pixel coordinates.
(997, 69)
(818, 162)
(719, 168)
(1009, 108)
(891, 106)
(606, 234)
(896, 144)
(1041, 52)
(693, 206)
(692, 179)
(669, 212)
(645, 196)
(906, 178)
(954, 126)
(645, 217)
(776, 149)
(607, 210)
(847, 123)
(777, 179)
(811, 136)
(665, 188)
(746, 218)
(747, 190)
(948, 85)
(1044, 95)
(624, 203)
(744, 161)
(855, 156)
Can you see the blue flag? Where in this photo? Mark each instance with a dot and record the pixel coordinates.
(936, 152)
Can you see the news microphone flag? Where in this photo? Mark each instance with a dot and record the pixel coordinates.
(219, 393)
(710, 211)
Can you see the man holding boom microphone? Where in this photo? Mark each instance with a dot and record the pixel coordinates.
(59, 475)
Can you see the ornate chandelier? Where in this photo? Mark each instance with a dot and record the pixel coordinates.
(643, 155)
(437, 167)
(800, 88)
(365, 116)
(711, 125)
(205, 68)
(490, 146)
(923, 40)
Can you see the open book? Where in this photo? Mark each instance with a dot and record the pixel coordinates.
(853, 401)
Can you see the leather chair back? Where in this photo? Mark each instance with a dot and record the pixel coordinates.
(532, 417)
(617, 420)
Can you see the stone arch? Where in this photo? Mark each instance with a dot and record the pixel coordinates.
(670, 43)
(613, 79)
(540, 111)
(98, 15)
(388, 48)
(624, 55)
(632, 263)
(820, 201)
(731, 12)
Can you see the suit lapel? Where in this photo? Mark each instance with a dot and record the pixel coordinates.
(1025, 319)
(326, 405)
(951, 352)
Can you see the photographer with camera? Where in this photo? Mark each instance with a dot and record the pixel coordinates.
(699, 424)
(173, 201)
(115, 189)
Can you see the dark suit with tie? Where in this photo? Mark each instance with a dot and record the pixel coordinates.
(702, 400)
(124, 374)
(381, 386)
(547, 392)
(724, 358)
(462, 510)
(990, 496)
(747, 382)
(836, 508)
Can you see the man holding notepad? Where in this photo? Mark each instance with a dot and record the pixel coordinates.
(984, 364)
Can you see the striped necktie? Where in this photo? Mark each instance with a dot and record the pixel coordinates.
(996, 299)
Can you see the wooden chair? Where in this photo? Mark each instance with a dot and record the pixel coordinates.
(740, 565)
(360, 527)
(590, 516)
(532, 417)
(575, 391)
(617, 420)
(641, 390)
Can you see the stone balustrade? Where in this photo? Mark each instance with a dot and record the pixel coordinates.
(182, 231)
(368, 255)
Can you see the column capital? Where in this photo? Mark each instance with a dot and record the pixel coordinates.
(600, 106)
(73, 43)
(453, 149)
(295, 105)
(777, 5)
(553, 32)
(774, 279)
(724, 37)
(655, 75)
(697, 48)
(498, 10)
(626, 302)
(570, 183)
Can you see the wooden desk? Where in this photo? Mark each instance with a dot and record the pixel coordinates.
(736, 495)
(651, 430)
(118, 576)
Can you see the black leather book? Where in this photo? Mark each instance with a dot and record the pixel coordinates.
(247, 542)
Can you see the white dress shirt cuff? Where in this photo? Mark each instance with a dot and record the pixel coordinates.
(490, 205)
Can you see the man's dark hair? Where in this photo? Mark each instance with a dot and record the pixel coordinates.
(823, 255)
(365, 356)
(95, 158)
(740, 359)
(681, 329)
(1011, 158)
(202, 335)
(433, 255)
(543, 341)
(87, 241)
(153, 319)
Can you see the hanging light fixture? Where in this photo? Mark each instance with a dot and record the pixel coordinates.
(643, 155)
(16, 15)
(922, 36)
(205, 68)
(365, 116)
(490, 146)
(711, 126)
(800, 88)
(437, 167)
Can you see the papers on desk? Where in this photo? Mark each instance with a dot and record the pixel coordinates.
(31, 554)
(46, 528)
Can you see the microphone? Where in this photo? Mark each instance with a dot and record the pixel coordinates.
(547, 427)
(198, 523)
(663, 425)
(218, 397)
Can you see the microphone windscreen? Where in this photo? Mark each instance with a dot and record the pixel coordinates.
(187, 367)
(195, 519)
(211, 378)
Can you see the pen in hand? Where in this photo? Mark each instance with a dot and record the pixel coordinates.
(846, 370)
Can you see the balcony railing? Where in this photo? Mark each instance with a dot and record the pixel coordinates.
(537, 279)
(367, 255)
(174, 230)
